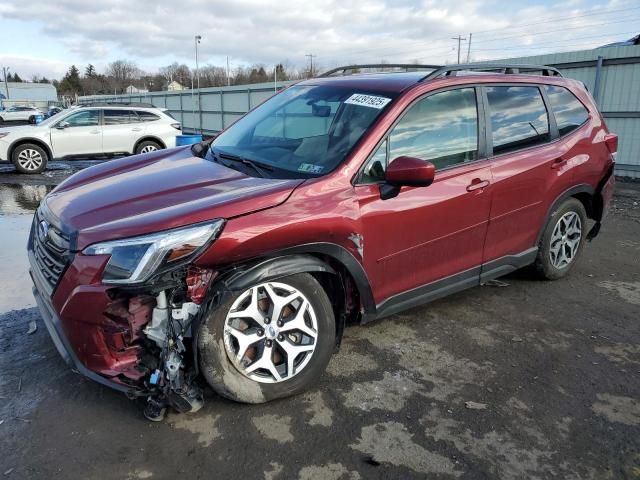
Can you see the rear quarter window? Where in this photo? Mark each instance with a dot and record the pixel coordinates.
(568, 110)
(147, 116)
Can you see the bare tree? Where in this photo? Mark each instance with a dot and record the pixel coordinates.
(177, 72)
(121, 73)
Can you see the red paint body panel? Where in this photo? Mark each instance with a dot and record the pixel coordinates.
(165, 189)
(414, 238)
(472, 213)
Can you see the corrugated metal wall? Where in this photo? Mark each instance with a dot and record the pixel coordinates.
(618, 97)
(208, 110)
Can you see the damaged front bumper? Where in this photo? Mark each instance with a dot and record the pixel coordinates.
(54, 327)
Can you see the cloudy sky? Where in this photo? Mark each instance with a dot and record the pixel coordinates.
(44, 37)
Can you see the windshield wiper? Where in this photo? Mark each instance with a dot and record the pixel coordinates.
(261, 168)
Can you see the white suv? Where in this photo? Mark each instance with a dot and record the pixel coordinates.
(19, 113)
(88, 131)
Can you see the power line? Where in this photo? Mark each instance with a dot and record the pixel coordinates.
(494, 39)
(517, 26)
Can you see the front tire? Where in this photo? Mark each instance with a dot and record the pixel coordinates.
(562, 241)
(147, 146)
(29, 158)
(271, 340)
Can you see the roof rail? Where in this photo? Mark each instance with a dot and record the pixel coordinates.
(117, 104)
(505, 68)
(407, 66)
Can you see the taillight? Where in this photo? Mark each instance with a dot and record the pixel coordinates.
(177, 126)
(611, 141)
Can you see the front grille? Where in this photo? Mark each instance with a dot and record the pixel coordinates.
(51, 250)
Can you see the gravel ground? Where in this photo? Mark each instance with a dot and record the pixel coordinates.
(521, 379)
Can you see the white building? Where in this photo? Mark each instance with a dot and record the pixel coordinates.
(174, 86)
(26, 93)
(133, 89)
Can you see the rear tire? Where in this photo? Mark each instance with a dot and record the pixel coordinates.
(246, 360)
(562, 241)
(29, 158)
(147, 146)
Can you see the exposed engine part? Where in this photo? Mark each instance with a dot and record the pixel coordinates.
(155, 409)
(157, 327)
(173, 380)
(172, 366)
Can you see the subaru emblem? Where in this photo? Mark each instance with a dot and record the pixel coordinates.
(43, 231)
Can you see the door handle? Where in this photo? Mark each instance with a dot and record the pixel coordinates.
(94, 132)
(558, 162)
(137, 129)
(477, 184)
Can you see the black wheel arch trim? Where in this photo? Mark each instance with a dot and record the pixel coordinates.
(274, 268)
(570, 192)
(149, 138)
(310, 252)
(36, 141)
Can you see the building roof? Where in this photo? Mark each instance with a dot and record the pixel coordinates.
(29, 91)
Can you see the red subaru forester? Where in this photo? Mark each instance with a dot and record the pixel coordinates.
(343, 198)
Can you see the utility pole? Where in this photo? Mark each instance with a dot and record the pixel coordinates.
(311, 57)
(228, 75)
(459, 39)
(469, 48)
(5, 70)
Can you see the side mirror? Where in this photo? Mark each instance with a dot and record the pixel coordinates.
(406, 171)
(62, 125)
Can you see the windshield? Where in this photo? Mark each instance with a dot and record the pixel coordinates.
(305, 131)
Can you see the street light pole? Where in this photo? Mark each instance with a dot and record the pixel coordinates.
(198, 38)
(197, 41)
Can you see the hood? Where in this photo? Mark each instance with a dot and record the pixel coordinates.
(28, 130)
(157, 191)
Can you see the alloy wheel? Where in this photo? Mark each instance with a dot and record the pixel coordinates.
(270, 332)
(148, 149)
(30, 159)
(565, 240)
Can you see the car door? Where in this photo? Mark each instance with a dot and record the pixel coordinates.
(11, 114)
(120, 130)
(526, 167)
(77, 134)
(428, 238)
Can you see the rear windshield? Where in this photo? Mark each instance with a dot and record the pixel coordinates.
(305, 131)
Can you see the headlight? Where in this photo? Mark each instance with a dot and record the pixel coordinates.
(134, 260)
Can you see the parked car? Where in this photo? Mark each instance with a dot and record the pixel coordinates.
(341, 199)
(54, 111)
(19, 113)
(88, 131)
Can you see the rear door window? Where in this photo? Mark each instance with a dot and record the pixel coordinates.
(568, 110)
(119, 117)
(518, 118)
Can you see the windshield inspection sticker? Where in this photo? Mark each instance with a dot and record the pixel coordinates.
(367, 100)
(310, 168)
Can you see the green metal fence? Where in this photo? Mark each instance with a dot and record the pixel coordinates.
(612, 75)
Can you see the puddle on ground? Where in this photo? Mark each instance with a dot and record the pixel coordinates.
(19, 199)
(15, 289)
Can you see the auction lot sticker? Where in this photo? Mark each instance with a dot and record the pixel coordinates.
(367, 100)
